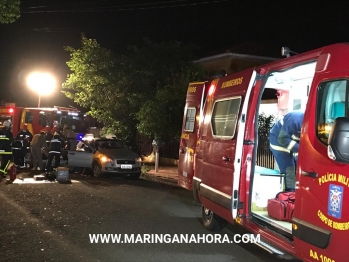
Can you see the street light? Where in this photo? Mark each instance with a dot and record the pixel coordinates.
(41, 83)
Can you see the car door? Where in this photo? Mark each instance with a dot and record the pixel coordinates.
(321, 219)
(80, 158)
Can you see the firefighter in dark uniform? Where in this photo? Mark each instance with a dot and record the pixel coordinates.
(284, 143)
(25, 137)
(55, 150)
(6, 139)
(17, 152)
(49, 135)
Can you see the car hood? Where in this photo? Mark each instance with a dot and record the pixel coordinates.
(122, 153)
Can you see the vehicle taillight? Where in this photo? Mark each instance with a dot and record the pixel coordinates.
(11, 110)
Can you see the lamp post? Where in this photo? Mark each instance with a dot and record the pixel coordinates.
(41, 83)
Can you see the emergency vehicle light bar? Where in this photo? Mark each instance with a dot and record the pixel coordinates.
(7, 110)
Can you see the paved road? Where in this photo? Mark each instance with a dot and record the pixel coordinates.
(52, 222)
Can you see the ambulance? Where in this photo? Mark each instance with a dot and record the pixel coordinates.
(219, 153)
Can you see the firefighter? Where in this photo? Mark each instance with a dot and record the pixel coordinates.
(6, 139)
(284, 143)
(49, 135)
(17, 152)
(70, 137)
(55, 151)
(59, 131)
(25, 137)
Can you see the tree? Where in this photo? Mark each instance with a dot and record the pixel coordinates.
(97, 82)
(9, 11)
(169, 69)
(143, 91)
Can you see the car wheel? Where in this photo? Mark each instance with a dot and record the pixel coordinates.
(212, 221)
(97, 170)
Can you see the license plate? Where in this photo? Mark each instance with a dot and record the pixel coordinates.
(126, 166)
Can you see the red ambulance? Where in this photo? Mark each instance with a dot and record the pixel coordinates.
(219, 156)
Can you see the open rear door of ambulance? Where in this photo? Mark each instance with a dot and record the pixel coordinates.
(191, 121)
(244, 144)
(321, 219)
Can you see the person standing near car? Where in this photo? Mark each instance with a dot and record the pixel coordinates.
(36, 145)
(17, 153)
(55, 151)
(49, 135)
(6, 139)
(25, 137)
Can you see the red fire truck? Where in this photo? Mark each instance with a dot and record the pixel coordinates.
(219, 153)
(10, 112)
(38, 118)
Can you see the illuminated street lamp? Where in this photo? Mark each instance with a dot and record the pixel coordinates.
(41, 83)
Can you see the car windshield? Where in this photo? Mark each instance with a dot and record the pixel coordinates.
(110, 144)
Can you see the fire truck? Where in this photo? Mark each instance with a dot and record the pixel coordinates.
(10, 112)
(219, 153)
(38, 118)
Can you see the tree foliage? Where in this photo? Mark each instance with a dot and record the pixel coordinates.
(168, 70)
(143, 91)
(265, 123)
(9, 11)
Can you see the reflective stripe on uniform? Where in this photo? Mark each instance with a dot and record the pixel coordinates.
(295, 154)
(291, 145)
(5, 153)
(4, 138)
(295, 137)
(279, 148)
(54, 152)
(5, 168)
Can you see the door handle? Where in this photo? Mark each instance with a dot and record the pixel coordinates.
(311, 174)
(226, 159)
(71, 153)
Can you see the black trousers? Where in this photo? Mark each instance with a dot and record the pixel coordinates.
(5, 162)
(18, 157)
(57, 157)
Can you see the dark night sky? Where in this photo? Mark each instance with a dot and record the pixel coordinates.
(37, 38)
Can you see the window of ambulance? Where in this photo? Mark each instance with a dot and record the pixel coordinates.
(190, 119)
(331, 100)
(225, 117)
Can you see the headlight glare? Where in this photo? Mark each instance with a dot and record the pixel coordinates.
(105, 159)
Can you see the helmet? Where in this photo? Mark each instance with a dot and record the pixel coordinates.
(7, 123)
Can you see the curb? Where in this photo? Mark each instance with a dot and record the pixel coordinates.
(164, 180)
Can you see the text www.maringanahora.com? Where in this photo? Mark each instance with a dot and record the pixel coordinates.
(168, 238)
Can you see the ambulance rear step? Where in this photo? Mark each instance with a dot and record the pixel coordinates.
(273, 250)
